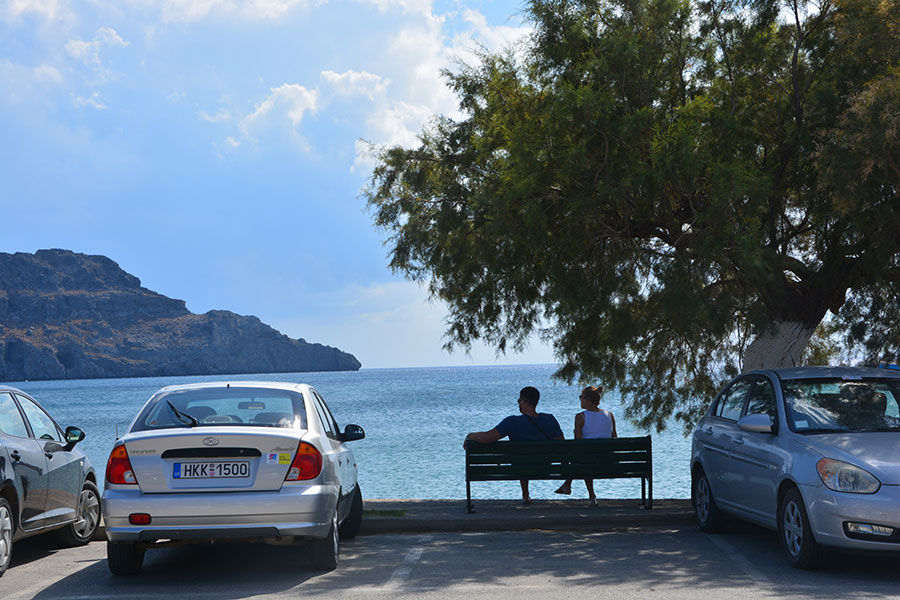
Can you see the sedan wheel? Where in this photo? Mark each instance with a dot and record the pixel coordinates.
(124, 558)
(6, 534)
(709, 517)
(325, 551)
(796, 534)
(85, 526)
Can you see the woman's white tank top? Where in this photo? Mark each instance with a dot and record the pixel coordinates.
(596, 424)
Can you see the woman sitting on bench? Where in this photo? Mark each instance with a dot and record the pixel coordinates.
(593, 422)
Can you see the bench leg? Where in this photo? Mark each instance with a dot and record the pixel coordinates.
(469, 496)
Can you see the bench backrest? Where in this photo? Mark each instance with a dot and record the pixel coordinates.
(559, 459)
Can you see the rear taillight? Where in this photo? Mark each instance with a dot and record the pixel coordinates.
(118, 467)
(307, 463)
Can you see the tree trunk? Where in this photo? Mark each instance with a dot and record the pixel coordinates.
(780, 346)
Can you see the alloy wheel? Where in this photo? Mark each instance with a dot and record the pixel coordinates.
(702, 499)
(88, 513)
(793, 528)
(6, 533)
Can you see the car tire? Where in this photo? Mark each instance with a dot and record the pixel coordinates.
(800, 546)
(709, 517)
(325, 551)
(350, 527)
(124, 558)
(7, 531)
(83, 529)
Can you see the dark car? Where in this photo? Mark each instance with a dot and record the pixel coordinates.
(46, 483)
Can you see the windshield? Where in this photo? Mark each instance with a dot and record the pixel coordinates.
(237, 406)
(829, 405)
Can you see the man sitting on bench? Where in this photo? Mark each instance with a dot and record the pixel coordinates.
(529, 426)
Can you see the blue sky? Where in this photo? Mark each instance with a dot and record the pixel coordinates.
(215, 149)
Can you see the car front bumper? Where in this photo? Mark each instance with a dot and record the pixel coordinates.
(295, 511)
(829, 512)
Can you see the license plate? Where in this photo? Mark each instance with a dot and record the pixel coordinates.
(211, 470)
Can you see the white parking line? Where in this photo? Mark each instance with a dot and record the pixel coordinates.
(402, 572)
(739, 559)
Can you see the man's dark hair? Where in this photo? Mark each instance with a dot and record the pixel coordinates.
(530, 395)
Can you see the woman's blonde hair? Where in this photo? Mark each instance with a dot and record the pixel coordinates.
(592, 393)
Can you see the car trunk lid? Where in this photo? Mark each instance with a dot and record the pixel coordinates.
(212, 458)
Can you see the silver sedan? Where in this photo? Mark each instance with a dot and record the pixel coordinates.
(225, 461)
(812, 452)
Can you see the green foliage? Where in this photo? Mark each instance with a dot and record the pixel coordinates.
(649, 184)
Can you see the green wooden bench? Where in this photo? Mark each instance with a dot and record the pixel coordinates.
(629, 457)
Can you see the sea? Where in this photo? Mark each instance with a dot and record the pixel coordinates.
(415, 421)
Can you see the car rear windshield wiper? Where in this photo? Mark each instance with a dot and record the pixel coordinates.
(193, 420)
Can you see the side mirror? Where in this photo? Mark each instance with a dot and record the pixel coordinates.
(73, 435)
(756, 423)
(353, 432)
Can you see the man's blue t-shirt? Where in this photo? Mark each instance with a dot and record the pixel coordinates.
(525, 428)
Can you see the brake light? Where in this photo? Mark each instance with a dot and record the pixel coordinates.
(307, 463)
(118, 468)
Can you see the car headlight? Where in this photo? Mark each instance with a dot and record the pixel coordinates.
(844, 477)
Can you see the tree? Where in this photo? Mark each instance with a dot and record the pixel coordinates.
(669, 191)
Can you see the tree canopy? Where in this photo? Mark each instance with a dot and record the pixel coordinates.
(669, 191)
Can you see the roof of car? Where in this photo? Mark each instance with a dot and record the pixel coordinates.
(275, 385)
(838, 372)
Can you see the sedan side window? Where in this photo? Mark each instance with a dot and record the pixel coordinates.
(42, 425)
(732, 401)
(326, 423)
(11, 421)
(762, 400)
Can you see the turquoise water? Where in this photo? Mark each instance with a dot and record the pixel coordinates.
(415, 421)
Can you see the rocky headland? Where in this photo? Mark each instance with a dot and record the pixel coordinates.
(65, 315)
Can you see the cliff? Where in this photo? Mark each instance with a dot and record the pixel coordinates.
(65, 315)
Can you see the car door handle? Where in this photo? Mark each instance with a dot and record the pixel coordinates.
(707, 430)
(15, 455)
(738, 440)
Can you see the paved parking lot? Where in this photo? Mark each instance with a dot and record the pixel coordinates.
(667, 563)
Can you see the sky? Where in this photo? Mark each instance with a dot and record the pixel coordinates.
(217, 149)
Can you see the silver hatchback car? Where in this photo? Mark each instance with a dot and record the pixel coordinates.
(231, 461)
(811, 452)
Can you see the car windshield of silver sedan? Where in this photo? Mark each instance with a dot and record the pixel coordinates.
(236, 406)
(840, 405)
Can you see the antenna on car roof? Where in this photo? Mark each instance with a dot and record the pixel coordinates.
(117, 431)
(227, 385)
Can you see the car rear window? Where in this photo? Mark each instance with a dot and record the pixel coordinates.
(832, 405)
(232, 406)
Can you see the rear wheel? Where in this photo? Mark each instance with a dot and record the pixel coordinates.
(7, 526)
(350, 527)
(709, 517)
(124, 558)
(325, 551)
(796, 534)
(85, 526)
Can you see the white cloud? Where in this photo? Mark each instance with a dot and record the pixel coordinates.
(223, 114)
(196, 10)
(281, 112)
(93, 101)
(356, 83)
(19, 83)
(89, 52)
(406, 6)
(50, 10)
(403, 328)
